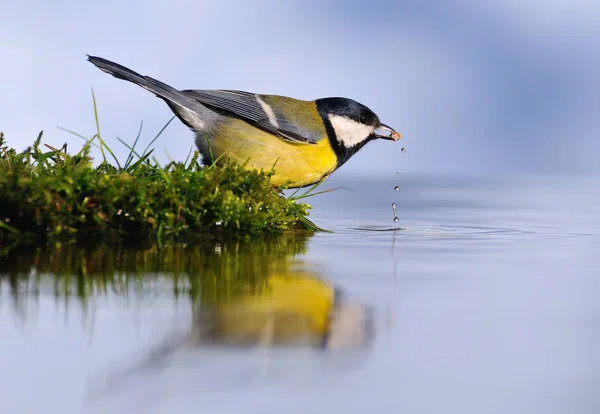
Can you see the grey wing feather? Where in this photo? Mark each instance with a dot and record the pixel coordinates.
(246, 105)
(241, 103)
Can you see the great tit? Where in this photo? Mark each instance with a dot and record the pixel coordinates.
(303, 141)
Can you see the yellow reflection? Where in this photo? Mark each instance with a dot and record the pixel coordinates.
(291, 308)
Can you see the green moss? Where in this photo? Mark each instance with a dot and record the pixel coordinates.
(56, 196)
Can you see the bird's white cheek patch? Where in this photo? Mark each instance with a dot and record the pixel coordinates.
(348, 131)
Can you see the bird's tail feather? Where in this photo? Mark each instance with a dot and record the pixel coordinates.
(187, 109)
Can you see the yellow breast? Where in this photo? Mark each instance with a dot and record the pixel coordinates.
(303, 164)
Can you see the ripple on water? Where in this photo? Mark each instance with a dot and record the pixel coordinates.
(449, 230)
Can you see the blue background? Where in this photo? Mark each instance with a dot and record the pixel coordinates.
(495, 87)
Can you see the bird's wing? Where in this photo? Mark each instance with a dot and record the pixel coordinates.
(269, 112)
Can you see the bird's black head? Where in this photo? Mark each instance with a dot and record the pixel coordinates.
(348, 108)
(350, 125)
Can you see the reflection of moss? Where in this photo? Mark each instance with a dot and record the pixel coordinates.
(209, 272)
(241, 293)
(56, 196)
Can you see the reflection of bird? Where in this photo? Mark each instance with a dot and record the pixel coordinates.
(304, 140)
(291, 309)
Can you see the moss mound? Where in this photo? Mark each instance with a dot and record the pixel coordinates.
(51, 195)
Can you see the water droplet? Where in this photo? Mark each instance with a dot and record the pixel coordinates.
(126, 214)
(397, 188)
(39, 223)
(403, 150)
(7, 220)
(249, 208)
(218, 223)
(396, 219)
(119, 212)
(48, 229)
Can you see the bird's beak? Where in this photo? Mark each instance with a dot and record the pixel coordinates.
(385, 132)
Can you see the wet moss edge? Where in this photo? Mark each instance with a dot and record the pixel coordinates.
(53, 196)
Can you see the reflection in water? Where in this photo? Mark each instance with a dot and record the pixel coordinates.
(241, 296)
(291, 308)
(208, 272)
(240, 293)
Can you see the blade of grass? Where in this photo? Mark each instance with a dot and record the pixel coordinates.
(312, 226)
(212, 158)
(98, 125)
(5, 226)
(103, 144)
(159, 134)
(45, 155)
(132, 148)
(96, 117)
(87, 140)
(291, 197)
(311, 189)
(132, 167)
(216, 161)
(320, 192)
(187, 159)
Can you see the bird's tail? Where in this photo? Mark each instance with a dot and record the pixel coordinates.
(187, 109)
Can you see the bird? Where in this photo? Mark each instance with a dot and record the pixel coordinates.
(302, 142)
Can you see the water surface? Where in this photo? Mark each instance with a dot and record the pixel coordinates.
(483, 298)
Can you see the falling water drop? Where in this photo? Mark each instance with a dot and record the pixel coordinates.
(403, 150)
(396, 219)
(397, 188)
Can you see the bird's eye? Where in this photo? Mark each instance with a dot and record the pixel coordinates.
(362, 119)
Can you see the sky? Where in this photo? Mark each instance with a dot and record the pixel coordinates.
(495, 87)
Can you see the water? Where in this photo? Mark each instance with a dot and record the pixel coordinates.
(483, 298)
